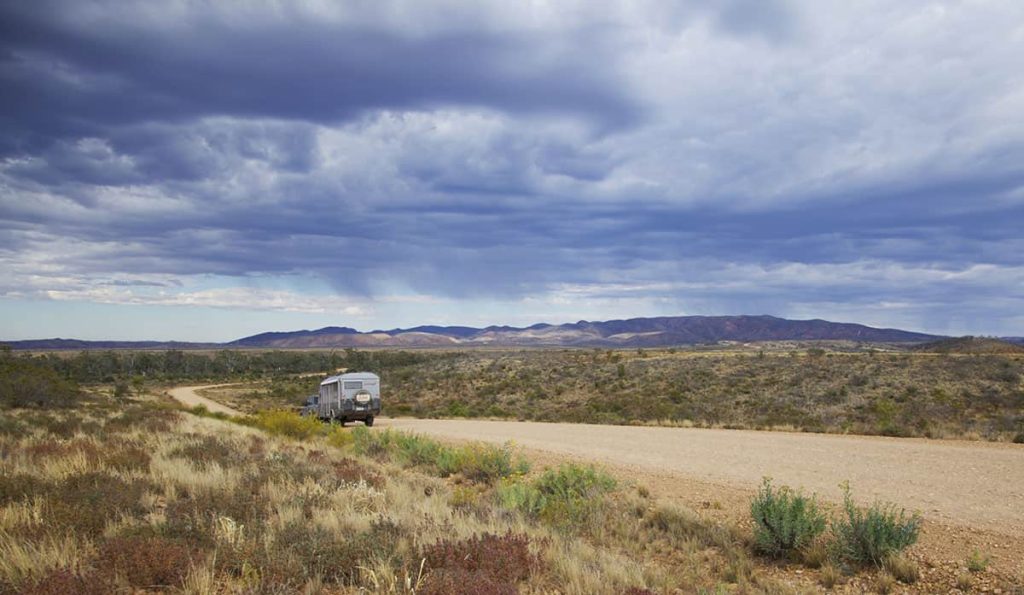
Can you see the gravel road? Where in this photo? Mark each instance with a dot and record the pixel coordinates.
(972, 483)
(188, 396)
(976, 484)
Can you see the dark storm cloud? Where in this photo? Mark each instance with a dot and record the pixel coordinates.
(70, 78)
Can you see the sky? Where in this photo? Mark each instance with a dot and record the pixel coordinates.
(203, 171)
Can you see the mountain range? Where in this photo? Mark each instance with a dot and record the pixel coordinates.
(635, 332)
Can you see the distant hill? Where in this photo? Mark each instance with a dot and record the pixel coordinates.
(77, 345)
(635, 332)
(973, 345)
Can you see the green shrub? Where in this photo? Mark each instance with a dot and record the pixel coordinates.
(25, 382)
(484, 463)
(784, 521)
(870, 535)
(286, 423)
(977, 561)
(564, 497)
(1019, 438)
(478, 462)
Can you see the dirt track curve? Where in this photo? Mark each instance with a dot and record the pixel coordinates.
(188, 396)
(971, 483)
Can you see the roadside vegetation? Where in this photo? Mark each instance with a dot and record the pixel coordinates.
(978, 396)
(125, 494)
(121, 497)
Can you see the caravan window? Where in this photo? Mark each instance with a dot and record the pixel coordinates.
(353, 385)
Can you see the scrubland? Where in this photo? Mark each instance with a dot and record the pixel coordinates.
(119, 494)
(976, 396)
(142, 496)
(805, 388)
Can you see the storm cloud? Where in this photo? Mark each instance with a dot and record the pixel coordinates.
(859, 162)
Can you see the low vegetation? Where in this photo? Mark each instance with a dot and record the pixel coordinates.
(785, 522)
(872, 534)
(139, 496)
(846, 390)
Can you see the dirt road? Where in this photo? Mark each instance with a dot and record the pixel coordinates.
(188, 396)
(967, 483)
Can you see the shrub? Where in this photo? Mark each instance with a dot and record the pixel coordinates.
(1019, 438)
(351, 471)
(567, 496)
(784, 521)
(16, 486)
(478, 462)
(146, 561)
(204, 450)
(286, 423)
(62, 582)
(481, 564)
(870, 535)
(977, 561)
(340, 437)
(27, 383)
(85, 502)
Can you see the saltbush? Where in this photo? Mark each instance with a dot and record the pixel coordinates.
(785, 521)
(567, 496)
(870, 535)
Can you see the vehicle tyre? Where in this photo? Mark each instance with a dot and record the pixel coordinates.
(368, 421)
(342, 420)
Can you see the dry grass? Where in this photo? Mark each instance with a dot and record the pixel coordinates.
(199, 505)
(140, 497)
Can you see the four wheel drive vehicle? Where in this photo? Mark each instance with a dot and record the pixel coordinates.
(348, 397)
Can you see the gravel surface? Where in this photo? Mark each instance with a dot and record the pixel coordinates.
(977, 484)
(188, 396)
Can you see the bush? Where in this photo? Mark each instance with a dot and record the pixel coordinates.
(566, 497)
(785, 522)
(1019, 438)
(62, 581)
(481, 564)
(871, 535)
(146, 562)
(478, 462)
(977, 562)
(340, 437)
(27, 383)
(286, 423)
(84, 503)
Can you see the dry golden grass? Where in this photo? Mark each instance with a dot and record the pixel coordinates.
(217, 507)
